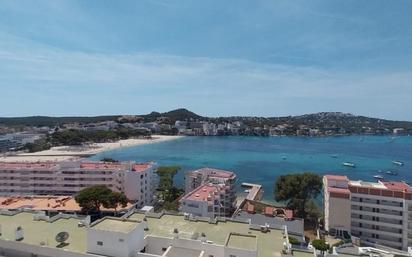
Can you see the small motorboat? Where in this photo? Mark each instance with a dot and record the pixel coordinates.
(334, 156)
(349, 164)
(378, 177)
(389, 172)
(284, 157)
(399, 163)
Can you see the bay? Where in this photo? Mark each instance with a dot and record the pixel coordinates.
(262, 159)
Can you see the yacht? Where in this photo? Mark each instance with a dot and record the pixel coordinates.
(378, 177)
(349, 164)
(389, 172)
(399, 163)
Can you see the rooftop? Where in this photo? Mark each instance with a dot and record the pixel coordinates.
(83, 165)
(115, 225)
(179, 252)
(46, 203)
(268, 244)
(214, 172)
(37, 232)
(202, 193)
(240, 241)
(337, 177)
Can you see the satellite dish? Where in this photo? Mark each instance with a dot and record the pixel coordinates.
(61, 237)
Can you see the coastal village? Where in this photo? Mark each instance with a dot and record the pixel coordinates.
(50, 189)
(48, 208)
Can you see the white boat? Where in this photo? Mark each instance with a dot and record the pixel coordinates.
(399, 163)
(349, 164)
(378, 177)
(247, 191)
(389, 172)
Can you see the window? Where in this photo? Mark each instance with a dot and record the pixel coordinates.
(121, 240)
(232, 255)
(99, 243)
(210, 255)
(164, 249)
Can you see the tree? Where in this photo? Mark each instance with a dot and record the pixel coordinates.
(297, 189)
(91, 199)
(320, 245)
(108, 159)
(167, 190)
(313, 212)
(114, 199)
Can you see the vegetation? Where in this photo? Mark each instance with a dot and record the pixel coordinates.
(91, 199)
(78, 137)
(38, 145)
(167, 191)
(297, 190)
(333, 122)
(320, 245)
(293, 240)
(313, 212)
(108, 159)
(39, 121)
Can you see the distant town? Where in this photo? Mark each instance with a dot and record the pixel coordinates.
(17, 133)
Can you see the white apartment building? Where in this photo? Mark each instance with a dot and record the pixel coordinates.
(376, 212)
(27, 234)
(209, 193)
(137, 180)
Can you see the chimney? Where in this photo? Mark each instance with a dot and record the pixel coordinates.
(175, 233)
(19, 233)
(145, 226)
(203, 237)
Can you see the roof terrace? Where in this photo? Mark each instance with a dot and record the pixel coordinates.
(43, 232)
(115, 225)
(268, 244)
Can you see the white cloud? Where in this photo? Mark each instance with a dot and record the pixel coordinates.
(148, 81)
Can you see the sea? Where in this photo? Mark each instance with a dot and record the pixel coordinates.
(262, 160)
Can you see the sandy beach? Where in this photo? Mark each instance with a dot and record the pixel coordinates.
(61, 153)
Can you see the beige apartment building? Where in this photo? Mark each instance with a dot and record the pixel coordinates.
(209, 193)
(379, 213)
(137, 180)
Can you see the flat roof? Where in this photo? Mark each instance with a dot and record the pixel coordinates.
(115, 225)
(202, 193)
(361, 183)
(179, 252)
(337, 177)
(240, 241)
(268, 244)
(46, 203)
(36, 232)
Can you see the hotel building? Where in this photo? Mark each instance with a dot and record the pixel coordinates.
(136, 180)
(379, 213)
(209, 193)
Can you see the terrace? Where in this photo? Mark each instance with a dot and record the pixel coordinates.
(43, 232)
(268, 244)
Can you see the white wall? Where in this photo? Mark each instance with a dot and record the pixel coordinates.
(115, 244)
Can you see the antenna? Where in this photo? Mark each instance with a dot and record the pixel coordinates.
(61, 238)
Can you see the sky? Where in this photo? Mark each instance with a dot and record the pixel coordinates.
(216, 58)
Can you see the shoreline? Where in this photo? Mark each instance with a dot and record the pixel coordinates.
(64, 153)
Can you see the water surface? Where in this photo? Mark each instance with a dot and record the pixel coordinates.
(262, 159)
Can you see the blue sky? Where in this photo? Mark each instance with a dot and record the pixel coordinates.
(216, 58)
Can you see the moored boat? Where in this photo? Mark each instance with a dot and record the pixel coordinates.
(378, 177)
(349, 164)
(399, 163)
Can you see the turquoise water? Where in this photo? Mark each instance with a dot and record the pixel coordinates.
(262, 159)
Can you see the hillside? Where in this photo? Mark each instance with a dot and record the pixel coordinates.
(324, 120)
